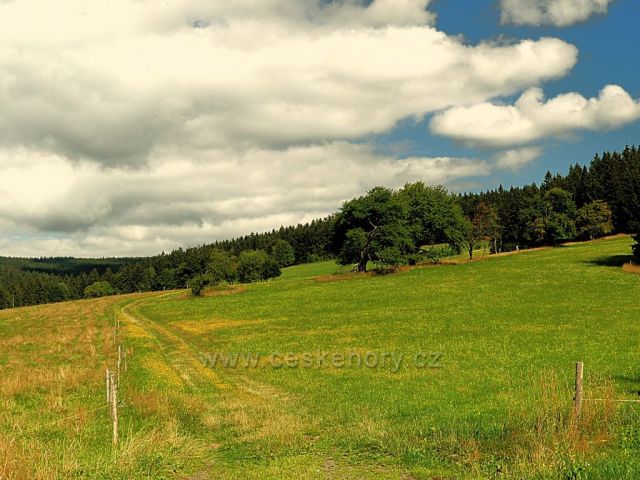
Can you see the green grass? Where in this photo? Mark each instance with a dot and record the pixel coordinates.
(509, 329)
(310, 270)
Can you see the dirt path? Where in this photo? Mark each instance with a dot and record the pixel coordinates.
(179, 354)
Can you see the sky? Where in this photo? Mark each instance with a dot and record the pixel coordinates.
(132, 127)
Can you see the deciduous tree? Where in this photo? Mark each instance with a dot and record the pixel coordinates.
(482, 226)
(368, 225)
(594, 220)
(222, 267)
(549, 218)
(434, 216)
(256, 265)
(283, 253)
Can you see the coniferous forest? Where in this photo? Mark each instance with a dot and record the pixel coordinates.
(384, 226)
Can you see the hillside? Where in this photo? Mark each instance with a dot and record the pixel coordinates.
(384, 227)
(491, 395)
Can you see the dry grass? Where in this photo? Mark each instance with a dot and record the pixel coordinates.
(150, 404)
(52, 412)
(133, 330)
(62, 380)
(217, 291)
(29, 459)
(541, 436)
(201, 327)
(631, 268)
(161, 370)
(226, 290)
(163, 446)
(544, 442)
(259, 414)
(43, 344)
(44, 385)
(176, 354)
(12, 465)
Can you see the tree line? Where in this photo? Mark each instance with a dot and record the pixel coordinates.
(384, 227)
(245, 259)
(419, 222)
(564, 207)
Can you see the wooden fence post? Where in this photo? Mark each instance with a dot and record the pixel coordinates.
(108, 383)
(119, 362)
(578, 398)
(114, 409)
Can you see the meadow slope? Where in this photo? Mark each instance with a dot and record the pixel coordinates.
(473, 373)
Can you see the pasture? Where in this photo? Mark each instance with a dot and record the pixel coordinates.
(472, 378)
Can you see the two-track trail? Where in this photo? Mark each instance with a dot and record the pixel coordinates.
(181, 356)
(185, 358)
(237, 407)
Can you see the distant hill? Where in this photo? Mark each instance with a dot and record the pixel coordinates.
(66, 265)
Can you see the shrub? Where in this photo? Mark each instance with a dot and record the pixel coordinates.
(99, 289)
(390, 258)
(256, 265)
(436, 253)
(198, 283)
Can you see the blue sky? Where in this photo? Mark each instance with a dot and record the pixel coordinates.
(128, 128)
(608, 46)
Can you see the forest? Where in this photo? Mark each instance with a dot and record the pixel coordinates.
(387, 227)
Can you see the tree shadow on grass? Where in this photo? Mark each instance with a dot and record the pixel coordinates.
(631, 383)
(611, 261)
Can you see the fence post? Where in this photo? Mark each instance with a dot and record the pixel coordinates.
(119, 362)
(108, 384)
(114, 409)
(578, 397)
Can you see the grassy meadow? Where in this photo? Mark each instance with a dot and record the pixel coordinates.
(473, 375)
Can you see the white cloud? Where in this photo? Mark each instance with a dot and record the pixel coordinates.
(344, 13)
(86, 209)
(130, 126)
(517, 158)
(532, 118)
(111, 83)
(560, 13)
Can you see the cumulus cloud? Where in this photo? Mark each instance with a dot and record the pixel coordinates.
(560, 13)
(133, 125)
(532, 118)
(344, 13)
(112, 83)
(517, 158)
(176, 200)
